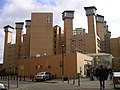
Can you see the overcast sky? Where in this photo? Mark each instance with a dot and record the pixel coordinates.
(12, 11)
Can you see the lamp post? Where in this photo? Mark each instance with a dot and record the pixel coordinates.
(62, 62)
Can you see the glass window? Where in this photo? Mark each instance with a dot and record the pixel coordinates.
(49, 19)
(54, 46)
(55, 53)
(54, 42)
(55, 31)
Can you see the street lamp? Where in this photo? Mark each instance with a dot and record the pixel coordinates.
(62, 62)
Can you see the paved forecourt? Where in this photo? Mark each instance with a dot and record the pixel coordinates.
(56, 84)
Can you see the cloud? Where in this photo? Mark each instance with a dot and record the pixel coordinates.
(16, 10)
(110, 10)
(11, 12)
(47, 2)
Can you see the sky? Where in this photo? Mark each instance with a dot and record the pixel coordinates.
(12, 11)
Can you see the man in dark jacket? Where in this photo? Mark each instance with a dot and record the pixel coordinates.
(102, 76)
(96, 71)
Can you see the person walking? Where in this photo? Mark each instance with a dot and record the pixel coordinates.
(102, 76)
(96, 72)
(110, 73)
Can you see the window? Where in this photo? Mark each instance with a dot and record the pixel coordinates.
(55, 31)
(55, 36)
(55, 53)
(49, 19)
(41, 66)
(54, 42)
(54, 46)
(49, 66)
(38, 66)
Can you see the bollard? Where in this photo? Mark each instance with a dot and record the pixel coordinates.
(8, 82)
(62, 79)
(17, 81)
(30, 77)
(73, 79)
(24, 77)
(20, 78)
(68, 80)
(33, 78)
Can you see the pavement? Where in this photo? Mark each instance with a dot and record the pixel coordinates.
(57, 84)
(86, 84)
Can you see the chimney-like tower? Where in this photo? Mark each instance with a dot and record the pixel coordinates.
(100, 27)
(107, 38)
(91, 16)
(28, 24)
(8, 34)
(105, 26)
(27, 39)
(93, 41)
(8, 39)
(57, 39)
(101, 31)
(67, 17)
(19, 27)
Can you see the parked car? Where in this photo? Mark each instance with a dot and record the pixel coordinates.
(42, 76)
(2, 87)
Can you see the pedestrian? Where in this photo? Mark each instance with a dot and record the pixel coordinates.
(88, 72)
(102, 76)
(107, 72)
(110, 73)
(91, 74)
(96, 72)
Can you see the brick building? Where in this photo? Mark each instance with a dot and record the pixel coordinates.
(41, 47)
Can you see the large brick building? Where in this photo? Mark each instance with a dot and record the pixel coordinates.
(44, 46)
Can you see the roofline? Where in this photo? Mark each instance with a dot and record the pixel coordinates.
(91, 7)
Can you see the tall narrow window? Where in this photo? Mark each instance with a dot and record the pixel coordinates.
(54, 46)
